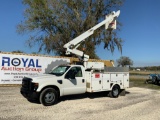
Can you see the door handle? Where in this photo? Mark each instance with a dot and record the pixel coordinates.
(83, 80)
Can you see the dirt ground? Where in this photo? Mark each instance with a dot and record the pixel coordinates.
(138, 104)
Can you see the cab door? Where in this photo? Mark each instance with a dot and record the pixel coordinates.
(74, 82)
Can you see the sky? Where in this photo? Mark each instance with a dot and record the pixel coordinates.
(140, 31)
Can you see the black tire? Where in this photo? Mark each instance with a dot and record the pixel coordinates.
(48, 97)
(146, 82)
(158, 82)
(115, 91)
(154, 80)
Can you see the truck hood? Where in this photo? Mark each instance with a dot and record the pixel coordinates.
(153, 75)
(41, 77)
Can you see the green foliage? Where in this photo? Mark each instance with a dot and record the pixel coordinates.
(124, 61)
(34, 53)
(17, 51)
(153, 68)
(141, 83)
(53, 23)
(147, 68)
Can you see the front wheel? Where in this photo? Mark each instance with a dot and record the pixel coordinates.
(48, 97)
(115, 91)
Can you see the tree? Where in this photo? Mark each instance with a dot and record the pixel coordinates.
(17, 51)
(124, 61)
(34, 53)
(53, 23)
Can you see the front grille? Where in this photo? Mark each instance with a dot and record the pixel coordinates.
(27, 83)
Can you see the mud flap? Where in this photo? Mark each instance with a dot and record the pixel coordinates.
(122, 92)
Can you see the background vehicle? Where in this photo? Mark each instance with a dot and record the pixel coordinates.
(154, 78)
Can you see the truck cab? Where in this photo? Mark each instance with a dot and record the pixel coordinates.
(63, 80)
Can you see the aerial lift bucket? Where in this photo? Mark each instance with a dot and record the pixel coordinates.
(112, 25)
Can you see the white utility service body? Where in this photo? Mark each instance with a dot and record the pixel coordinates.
(78, 79)
(104, 81)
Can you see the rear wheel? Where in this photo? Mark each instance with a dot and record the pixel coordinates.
(48, 97)
(115, 91)
(154, 80)
(146, 82)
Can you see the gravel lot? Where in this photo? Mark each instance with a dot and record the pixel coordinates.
(138, 104)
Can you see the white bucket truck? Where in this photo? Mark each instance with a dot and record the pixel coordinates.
(77, 79)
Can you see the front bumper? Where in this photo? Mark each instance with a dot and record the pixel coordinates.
(30, 95)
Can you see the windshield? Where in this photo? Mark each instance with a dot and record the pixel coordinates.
(59, 70)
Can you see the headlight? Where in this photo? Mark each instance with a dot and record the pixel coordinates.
(35, 86)
(150, 77)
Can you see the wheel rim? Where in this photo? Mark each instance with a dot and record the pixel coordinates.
(115, 91)
(49, 97)
(154, 79)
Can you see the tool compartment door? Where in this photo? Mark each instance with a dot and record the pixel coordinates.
(117, 77)
(96, 81)
(106, 81)
(126, 80)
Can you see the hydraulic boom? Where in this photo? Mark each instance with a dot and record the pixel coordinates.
(71, 47)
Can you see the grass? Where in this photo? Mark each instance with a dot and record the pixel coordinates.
(137, 81)
(140, 82)
(143, 72)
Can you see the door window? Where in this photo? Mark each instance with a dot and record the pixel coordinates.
(74, 72)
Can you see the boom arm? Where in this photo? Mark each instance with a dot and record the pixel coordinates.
(73, 44)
